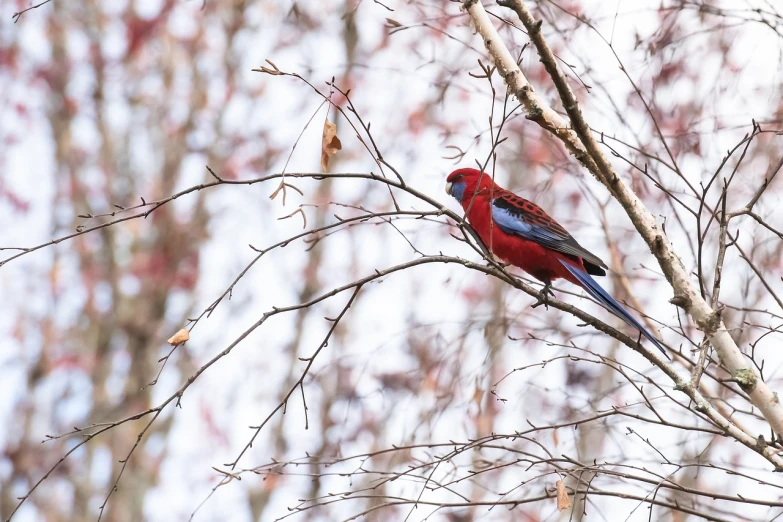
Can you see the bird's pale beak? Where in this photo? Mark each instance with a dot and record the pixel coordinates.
(448, 188)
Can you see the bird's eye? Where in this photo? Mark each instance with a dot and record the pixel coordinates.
(459, 177)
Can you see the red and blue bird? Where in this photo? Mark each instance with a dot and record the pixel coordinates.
(520, 233)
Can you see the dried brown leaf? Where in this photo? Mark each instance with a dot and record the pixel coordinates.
(478, 394)
(330, 144)
(179, 337)
(563, 502)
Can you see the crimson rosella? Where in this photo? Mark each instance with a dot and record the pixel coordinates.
(520, 233)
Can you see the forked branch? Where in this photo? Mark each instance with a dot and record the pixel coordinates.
(578, 139)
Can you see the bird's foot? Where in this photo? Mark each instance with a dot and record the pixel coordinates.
(543, 296)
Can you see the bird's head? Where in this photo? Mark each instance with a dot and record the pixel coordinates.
(465, 182)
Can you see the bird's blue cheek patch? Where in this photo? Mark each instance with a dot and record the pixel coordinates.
(458, 190)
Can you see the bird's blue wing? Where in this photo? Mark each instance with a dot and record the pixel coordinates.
(519, 221)
(518, 216)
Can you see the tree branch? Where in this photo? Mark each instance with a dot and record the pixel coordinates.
(581, 143)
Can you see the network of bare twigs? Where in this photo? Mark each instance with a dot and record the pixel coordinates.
(699, 397)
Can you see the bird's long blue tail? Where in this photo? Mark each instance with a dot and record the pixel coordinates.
(600, 295)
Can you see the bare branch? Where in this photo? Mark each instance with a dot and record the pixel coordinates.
(582, 144)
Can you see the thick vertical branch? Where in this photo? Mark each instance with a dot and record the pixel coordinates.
(578, 139)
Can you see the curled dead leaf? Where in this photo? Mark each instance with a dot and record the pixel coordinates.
(179, 337)
(330, 143)
(563, 502)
